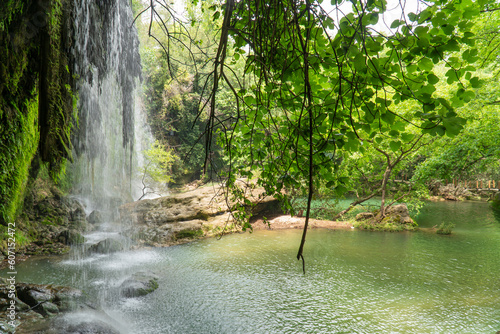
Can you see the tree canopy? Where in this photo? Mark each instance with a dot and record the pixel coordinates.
(315, 82)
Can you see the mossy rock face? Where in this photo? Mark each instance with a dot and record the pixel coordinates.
(95, 217)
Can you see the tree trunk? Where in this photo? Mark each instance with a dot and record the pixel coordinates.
(387, 173)
(353, 204)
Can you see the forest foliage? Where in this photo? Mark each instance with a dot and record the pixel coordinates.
(331, 96)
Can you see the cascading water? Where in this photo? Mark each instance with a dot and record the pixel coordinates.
(107, 62)
(107, 143)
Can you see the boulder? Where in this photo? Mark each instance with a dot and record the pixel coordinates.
(400, 212)
(139, 284)
(87, 327)
(84, 323)
(451, 192)
(78, 214)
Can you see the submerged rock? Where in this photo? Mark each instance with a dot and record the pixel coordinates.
(87, 322)
(139, 284)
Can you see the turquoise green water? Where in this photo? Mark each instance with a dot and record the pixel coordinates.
(356, 281)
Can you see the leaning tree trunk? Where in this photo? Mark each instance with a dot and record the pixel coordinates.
(385, 179)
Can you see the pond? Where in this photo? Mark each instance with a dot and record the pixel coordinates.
(356, 281)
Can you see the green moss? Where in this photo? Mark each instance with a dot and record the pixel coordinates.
(389, 224)
(189, 234)
(35, 93)
(19, 137)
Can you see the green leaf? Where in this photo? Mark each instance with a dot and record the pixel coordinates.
(452, 76)
(453, 125)
(475, 82)
(395, 145)
(440, 130)
(388, 117)
(407, 137)
(396, 23)
(249, 100)
(425, 64)
(359, 62)
(432, 79)
(467, 96)
(413, 17)
(394, 133)
(445, 103)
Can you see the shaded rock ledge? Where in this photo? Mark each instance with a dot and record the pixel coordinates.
(182, 217)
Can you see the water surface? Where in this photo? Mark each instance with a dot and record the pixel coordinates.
(356, 281)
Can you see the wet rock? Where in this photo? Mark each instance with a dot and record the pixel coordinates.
(81, 225)
(37, 301)
(49, 308)
(21, 306)
(91, 328)
(139, 284)
(106, 246)
(78, 214)
(364, 215)
(95, 217)
(70, 237)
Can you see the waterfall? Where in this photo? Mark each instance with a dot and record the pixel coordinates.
(110, 135)
(105, 59)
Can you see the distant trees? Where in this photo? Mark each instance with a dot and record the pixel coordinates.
(156, 172)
